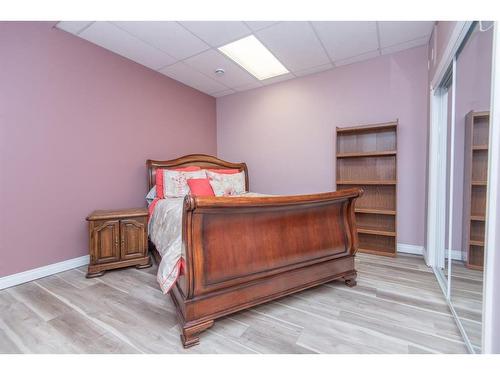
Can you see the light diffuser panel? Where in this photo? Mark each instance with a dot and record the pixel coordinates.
(254, 57)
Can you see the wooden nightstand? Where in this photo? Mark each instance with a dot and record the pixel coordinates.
(118, 238)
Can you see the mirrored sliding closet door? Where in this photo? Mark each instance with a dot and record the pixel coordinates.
(464, 99)
(472, 115)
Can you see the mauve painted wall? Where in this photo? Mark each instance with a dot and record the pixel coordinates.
(285, 132)
(77, 125)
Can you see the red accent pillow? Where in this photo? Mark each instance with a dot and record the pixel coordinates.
(159, 184)
(200, 187)
(224, 171)
(159, 178)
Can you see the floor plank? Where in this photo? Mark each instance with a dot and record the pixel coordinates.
(397, 307)
(467, 300)
(38, 300)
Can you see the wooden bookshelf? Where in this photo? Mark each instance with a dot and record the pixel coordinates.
(475, 183)
(366, 157)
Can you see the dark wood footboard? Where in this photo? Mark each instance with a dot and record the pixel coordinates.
(241, 252)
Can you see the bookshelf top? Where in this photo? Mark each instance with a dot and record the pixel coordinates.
(368, 128)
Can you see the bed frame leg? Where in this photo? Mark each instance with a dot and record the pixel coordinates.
(190, 333)
(350, 280)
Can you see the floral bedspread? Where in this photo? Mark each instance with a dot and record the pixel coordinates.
(165, 231)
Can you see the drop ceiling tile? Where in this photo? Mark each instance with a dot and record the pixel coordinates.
(354, 59)
(397, 32)
(206, 63)
(73, 27)
(168, 36)
(217, 33)
(223, 93)
(187, 75)
(345, 39)
(315, 69)
(295, 44)
(115, 39)
(406, 45)
(248, 86)
(258, 25)
(283, 77)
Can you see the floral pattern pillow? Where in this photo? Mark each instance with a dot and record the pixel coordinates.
(225, 185)
(175, 182)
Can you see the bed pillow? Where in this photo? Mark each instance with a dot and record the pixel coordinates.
(151, 195)
(172, 183)
(225, 185)
(175, 182)
(224, 171)
(200, 187)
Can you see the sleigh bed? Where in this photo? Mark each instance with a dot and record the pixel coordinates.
(239, 252)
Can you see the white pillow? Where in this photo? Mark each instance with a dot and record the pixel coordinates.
(175, 182)
(225, 185)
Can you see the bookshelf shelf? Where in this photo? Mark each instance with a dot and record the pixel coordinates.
(366, 154)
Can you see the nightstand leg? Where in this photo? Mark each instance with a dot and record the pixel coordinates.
(147, 265)
(91, 275)
(141, 266)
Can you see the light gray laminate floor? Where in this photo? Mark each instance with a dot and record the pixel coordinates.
(467, 299)
(397, 307)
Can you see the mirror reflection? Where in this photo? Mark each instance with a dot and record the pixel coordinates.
(468, 159)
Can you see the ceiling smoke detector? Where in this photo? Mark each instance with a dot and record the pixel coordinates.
(220, 71)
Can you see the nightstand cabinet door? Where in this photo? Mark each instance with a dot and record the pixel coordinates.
(133, 238)
(105, 240)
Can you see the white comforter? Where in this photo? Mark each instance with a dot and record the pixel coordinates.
(165, 231)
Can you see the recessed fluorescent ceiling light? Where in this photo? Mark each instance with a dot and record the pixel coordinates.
(251, 54)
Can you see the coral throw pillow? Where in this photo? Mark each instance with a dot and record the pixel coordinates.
(200, 187)
(225, 185)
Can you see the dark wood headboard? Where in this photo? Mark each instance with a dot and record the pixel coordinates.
(200, 160)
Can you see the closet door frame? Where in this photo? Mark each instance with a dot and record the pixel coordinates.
(437, 176)
(491, 284)
(436, 221)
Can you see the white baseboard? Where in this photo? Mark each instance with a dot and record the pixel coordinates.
(410, 249)
(36, 273)
(419, 250)
(455, 255)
